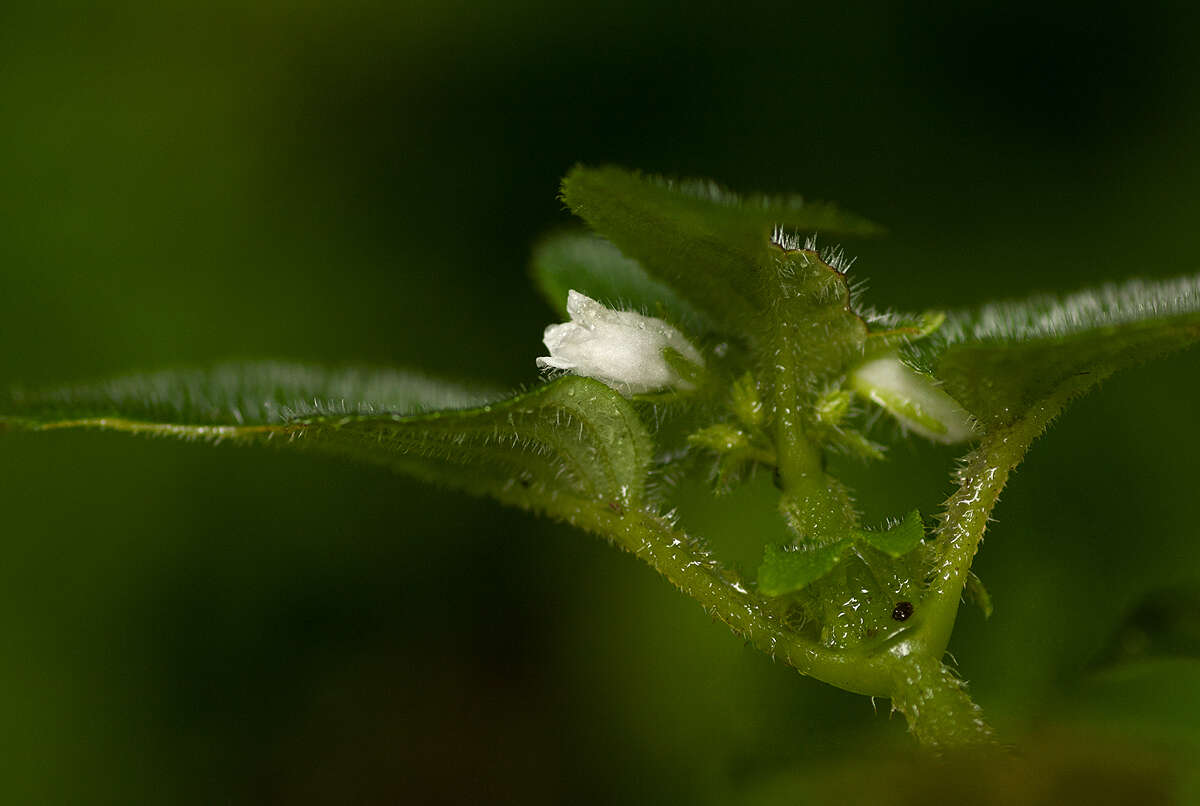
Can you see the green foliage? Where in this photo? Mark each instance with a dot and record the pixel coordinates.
(239, 394)
(563, 445)
(785, 570)
(899, 539)
(789, 570)
(708, 244)
(1003, 359)
(728, 256)
(593, 266)
(792, 361)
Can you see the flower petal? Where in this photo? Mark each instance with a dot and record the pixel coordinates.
(620, 348)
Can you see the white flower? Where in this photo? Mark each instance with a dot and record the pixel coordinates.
(619, 348)
(912, 398)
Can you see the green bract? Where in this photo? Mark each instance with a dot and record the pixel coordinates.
(792, 371)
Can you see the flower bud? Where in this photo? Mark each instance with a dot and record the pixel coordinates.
(912, 398)
(620, 348)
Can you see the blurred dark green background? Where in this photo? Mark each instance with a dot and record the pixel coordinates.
(350, 181)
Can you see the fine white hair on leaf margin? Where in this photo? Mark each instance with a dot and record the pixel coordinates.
(1050, 316)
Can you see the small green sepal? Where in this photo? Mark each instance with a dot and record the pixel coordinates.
(833, 406)
(746, 403)
(721, 438)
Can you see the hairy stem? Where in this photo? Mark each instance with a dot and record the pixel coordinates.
(907, 666)
(815, 506)
(935, 703)
(686, 562)
(981, 478)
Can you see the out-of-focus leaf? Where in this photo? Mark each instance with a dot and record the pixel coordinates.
(1151, 703)
(708, 244)
(240, 393)
(1002, 360)
(593, 266)
(1051, 768)
(1165, 623)
(550, 449)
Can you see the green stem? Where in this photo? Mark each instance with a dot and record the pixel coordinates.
(906, 667)
(817, 508)
(799, 458)
(935, 703)
(982, 477)
(686, 562)
(933, 700)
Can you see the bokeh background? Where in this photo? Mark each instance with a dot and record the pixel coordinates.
(183, 183)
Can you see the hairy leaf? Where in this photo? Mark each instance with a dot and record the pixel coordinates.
(733, 258)
(899, 539)
(786, 570)
(550, 449)
(1002, 360)
(593, 266)
(707, 243)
